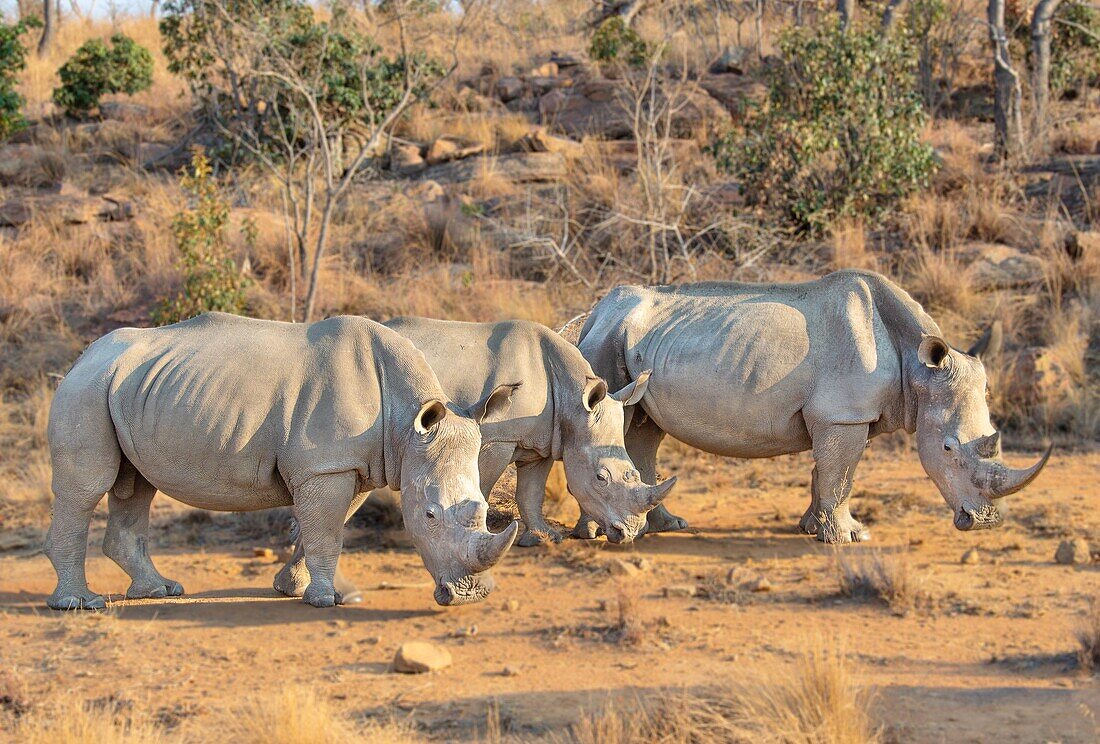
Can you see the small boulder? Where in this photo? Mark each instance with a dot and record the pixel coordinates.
(760, 585)
(511, 605)
(123, 111)
(681, 591)
(619, 567)
(405, 157)
(1073, 552)
(417, 657)
(971, 557)
(508, 89)
(548, 70)
(267, 553)
(993, 266)
(539, 140)
(452, 148)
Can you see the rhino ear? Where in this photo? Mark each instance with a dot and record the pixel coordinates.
(632, 393)
(989, 345)
(595, 390)
(430, 414)
(933, 352)
(492, 406)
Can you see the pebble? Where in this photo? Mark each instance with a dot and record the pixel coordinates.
(267, 553)
(1073, 552)
(971, 557)
(417, 657)
(509, 671)
(619, 567)
(680, 590)
(511, 605)
(761, 585)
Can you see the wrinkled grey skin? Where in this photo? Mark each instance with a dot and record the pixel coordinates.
(232, 414)
(561, 411)
(759, 370)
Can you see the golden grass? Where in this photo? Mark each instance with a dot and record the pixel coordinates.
(874, 574)
(72, 721)
(1088, 639)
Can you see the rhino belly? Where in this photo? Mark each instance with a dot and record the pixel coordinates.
(732, 382)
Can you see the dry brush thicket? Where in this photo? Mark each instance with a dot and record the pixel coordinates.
(535, 180)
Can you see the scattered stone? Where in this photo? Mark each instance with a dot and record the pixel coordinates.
(532, 167)
(1073, 552)
(511, 605)
(509, 671)
(565, 59)
(508, 89)
(548, 70)
(417, 657)
(761, 585)
(123, 111)
(466, 632)
(971, 557)
(31, 166)
(735, 92)
(405, 157)
(539, 140)
(72, 209)
(680, 591)
(267, 553)
(619, 567)
(445, 149)
(993, 266)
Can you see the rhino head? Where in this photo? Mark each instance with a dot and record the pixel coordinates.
(958, 446)
(443, 507)
(598, 470)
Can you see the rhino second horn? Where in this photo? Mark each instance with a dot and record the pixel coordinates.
(656, 494)
(491, 548)
(1004, 481)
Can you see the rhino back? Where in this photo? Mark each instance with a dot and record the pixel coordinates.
(748, 369)
(225, 412)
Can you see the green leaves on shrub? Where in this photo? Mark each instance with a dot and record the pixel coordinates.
(212, 280)
(123, 66)
(614, 41)
(13, 58)
(840, 132)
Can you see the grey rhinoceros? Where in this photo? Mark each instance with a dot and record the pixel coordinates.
(231, 414)
(759, 370)
(561, 411)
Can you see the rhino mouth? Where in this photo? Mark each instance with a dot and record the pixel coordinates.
(466, 590)
(980, 518)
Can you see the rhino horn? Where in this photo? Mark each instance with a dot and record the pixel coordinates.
(490, 548)
(654, 495)
(988, 447)
(1004, 481)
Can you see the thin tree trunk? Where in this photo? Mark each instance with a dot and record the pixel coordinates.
(1007, 96)
(847, 10)
(1041, 28)
(49, 26)
(890, 15)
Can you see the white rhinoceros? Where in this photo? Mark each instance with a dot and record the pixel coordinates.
(231, 414)
(759, 370)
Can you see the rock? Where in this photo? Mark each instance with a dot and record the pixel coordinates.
(565, 60)
(511, 605)
(508, 89)
(539, 140)
(123, 111)
(425, 191)
(405, 158)
(732, 60)
(509, 671)
(1084, 245)
(30, 166)
(734, 92)
(1073, 552)
(971, 557)
(548, 70)
(519, 168)
(417, 657)
(267, 553)
(679, 591)
(445, 149)
(760, 585)
(619, 567)
(72, 209)
(993, 266)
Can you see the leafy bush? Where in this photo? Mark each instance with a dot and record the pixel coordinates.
(13, 58)
(212, 280)
(839, 134)
(97, 68)
(614, 41)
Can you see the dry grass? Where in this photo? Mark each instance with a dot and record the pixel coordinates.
(75, 722)
(873, 574)
(1088, 639)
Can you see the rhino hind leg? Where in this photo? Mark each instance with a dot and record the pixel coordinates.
(126, 539)
(530, 494)
(321, 505)
(837, 450)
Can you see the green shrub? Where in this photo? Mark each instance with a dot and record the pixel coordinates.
(13, 58)
(839, 133)
(96, 69)
(212, 280)
(614, 41)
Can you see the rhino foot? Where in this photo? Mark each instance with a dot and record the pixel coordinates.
(586, 529)
(530, 538)
(842, 530)
(86, 600)
(157, 589)
(661, 520)
(321, 597)
(291, 580)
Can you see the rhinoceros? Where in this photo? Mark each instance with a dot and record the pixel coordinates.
(561, 411)
(759, 370)
(232, 414)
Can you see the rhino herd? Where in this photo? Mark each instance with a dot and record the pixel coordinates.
(233, 414)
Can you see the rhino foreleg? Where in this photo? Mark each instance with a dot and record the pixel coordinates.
(837, 450)
(530, 493)
(321, 505)
(293, 578)
(126, 541)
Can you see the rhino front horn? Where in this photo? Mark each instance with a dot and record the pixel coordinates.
(656, 494)
(491, 548)
(1004, 481)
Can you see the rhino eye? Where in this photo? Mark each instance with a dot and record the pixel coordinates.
(946, 447)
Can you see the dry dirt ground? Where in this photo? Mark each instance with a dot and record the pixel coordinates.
(986, 653)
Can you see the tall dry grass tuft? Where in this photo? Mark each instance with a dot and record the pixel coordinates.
(1088, 639)
(886, 577)
(75, 722)
(296, 714)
